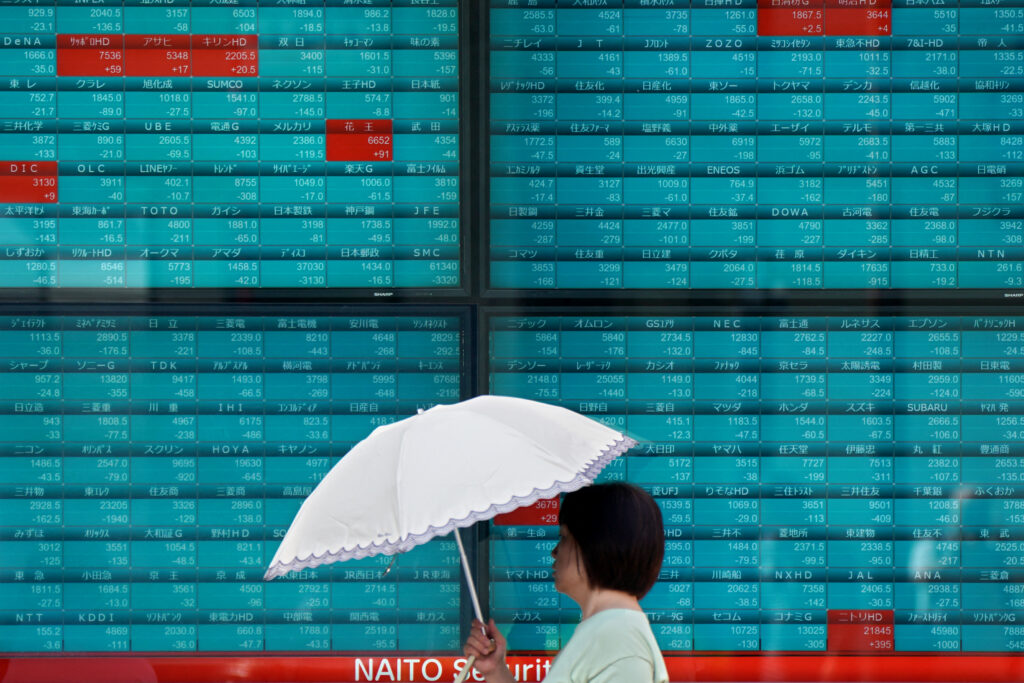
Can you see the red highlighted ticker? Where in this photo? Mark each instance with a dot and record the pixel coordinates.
(359, 140)
(90, 55)
(225, 55)
(28, 182)
(157, 55)
(866, 631)
(858, 22)
(541, 513)
(103, 55)
(824, 17)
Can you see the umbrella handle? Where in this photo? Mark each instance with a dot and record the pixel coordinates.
(465, 672)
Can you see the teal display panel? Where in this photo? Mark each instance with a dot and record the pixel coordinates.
(756, 144)
(150, 465)
(255, 144)
(840, 484)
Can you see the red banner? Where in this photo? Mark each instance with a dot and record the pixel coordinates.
(720, 667)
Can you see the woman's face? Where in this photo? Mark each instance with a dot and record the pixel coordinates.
(570, 577)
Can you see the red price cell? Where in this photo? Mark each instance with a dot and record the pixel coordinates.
(346, 147)
(158, 55)
(861, 631)
(226, 56)
(868, 639)
(541, 513)
(90, 55)
(790, 22)
(858, 22)
(28, 182)
(359, 140)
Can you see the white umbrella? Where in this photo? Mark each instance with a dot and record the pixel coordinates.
(442, 469)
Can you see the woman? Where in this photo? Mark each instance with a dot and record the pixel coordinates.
(610, 546)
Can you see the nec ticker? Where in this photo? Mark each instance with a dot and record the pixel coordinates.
(244, 144)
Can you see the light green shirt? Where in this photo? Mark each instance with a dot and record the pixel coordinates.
(612, 646)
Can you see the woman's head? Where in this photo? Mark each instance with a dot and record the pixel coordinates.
(618, 536)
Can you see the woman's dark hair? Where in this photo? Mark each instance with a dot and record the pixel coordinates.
(619, 534)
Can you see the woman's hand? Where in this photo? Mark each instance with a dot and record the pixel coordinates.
(489, 647)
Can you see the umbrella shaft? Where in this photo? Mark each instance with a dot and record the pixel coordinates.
(469, 577)
(472, 595)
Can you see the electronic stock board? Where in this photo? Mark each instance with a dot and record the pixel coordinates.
(842, 484)
(836, 479)
(796, 144)
(150, 463)
(242, 144)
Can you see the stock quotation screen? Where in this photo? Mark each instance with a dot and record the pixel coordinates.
(149, 467)
(252, 143)
(837, 484)
(796, 144)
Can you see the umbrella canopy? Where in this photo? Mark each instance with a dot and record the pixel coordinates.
(444, 468)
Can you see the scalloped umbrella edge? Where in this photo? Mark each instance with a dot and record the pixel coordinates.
(409, 542)
(440, 470)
